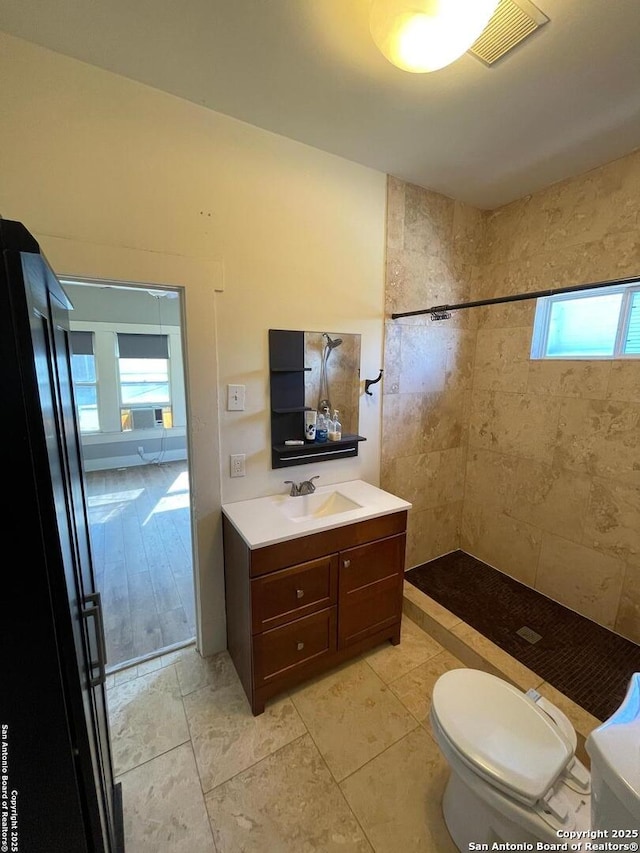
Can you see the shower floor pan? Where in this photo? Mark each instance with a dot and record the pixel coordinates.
(589, 664)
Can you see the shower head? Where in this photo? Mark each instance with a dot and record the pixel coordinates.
(332, 343)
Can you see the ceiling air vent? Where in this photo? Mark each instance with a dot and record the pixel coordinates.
(510, 25)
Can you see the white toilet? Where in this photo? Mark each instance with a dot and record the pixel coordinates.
(514, 774)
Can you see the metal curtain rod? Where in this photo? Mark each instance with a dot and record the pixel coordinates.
(443, 312)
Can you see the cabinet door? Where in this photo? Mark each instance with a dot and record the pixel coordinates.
(370, 589)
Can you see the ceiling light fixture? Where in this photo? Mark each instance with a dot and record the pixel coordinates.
(425, 35)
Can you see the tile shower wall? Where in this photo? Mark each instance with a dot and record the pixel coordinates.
(552, 491)
(531, 466)
(432, 245)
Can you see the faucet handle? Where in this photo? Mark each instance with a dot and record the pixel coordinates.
(295, 490)
(310, 482)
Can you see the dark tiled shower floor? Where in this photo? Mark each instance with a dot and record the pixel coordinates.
(588, 663)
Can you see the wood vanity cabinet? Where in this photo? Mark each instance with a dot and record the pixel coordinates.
(298, 607)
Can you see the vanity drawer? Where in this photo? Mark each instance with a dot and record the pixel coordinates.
(289, 594)
(281, 650)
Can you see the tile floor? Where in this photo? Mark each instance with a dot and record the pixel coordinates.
(345, 762)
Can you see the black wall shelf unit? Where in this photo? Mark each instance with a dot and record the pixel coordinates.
(286, 374)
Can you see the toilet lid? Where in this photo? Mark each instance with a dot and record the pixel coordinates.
(500, 732)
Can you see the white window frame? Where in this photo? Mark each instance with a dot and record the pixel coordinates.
(540, 337)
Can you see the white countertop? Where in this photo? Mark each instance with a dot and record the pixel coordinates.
(265, 521)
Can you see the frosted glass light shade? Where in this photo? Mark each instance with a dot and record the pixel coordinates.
(425, 35)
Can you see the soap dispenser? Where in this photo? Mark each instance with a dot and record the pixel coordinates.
(335, 427)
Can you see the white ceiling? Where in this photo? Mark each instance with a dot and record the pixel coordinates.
(565, 101)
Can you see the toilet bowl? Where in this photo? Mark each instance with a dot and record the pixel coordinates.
(514, 773)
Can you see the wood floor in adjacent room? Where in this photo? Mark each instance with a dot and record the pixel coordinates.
(140, 528)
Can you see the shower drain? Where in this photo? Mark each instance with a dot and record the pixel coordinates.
(528, 634)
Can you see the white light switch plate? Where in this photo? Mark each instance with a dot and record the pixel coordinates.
(235, 398)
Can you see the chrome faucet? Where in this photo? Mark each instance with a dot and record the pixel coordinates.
(306, 487)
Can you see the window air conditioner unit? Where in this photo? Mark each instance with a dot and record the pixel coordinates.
(146, 418)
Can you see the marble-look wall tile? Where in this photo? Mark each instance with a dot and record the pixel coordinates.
(628, 616)
(624, 380)
(580, 578)
(428, 480)
(395, 212)
(428, 222)
(421, 423)
(468, 233)
(415, 281)
(601, 438)
(576, 210)
(432, 532)
(611, 523)
(392, 350)
(549, 498)
(520, 424)
(507, 315)
(503, 542)
(562, 378)
(489, 478)
(433, 246)
(423, 361)
(572, 470)
(502, 359)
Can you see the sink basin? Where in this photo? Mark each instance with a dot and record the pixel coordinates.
(316, 505)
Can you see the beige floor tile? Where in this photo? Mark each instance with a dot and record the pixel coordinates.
(146, 718)
(415, 688)
(390, 662)
(195, 672)
(151, 665)
(287, 803)
(511, 669)
(582, 721)
(164, 810)
(397, 797)
(124, 675)
(227, 738)
(352, 716)
(427, 605)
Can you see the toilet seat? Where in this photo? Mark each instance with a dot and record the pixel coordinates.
(501, 735)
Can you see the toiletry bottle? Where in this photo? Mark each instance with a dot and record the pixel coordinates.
(330, 428)
(335, 430)
(322, 433)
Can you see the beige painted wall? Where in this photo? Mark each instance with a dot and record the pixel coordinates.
(532, 466)
(117, 179)
(552, 492)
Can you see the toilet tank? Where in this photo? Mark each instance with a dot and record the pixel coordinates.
(614, 750)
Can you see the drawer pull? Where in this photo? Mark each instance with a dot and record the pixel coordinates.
(300, 646)
(299, 593)
(346, 563)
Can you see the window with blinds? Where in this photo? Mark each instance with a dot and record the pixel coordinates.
(145, 393)
(594, 324)
(85, 380)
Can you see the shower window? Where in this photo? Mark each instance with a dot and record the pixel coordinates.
(593, 324)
